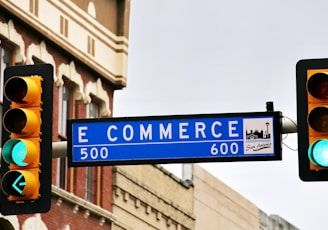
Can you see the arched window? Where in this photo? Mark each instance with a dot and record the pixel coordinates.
(70, 84)
(92, 190)
(94, 92)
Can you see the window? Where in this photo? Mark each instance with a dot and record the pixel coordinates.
(92, 172)
(64, 109)
(64, 113)
(92, 110)
(6, 60)
(91, 184)
(6, 55)
(69, 93)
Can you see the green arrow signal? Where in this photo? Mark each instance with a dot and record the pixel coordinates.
(20, 184)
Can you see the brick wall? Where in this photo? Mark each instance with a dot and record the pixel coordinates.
(63, 215)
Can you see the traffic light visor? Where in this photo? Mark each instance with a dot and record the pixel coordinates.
(23, 90)
(317, 85)
(318, 119)
(21, 121)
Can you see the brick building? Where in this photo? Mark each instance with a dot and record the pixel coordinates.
(87, 43)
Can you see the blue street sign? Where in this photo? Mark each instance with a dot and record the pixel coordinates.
(175, 139)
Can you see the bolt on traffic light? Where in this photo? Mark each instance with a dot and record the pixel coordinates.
(26, 139)
(312, 119)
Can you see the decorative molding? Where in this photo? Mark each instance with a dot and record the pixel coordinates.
(8, 31)
(40, 51)
(148, 209)
(126, 196)
(76, 209)
(97, 90)
(69, 71)
(145, 199)
(59, 201)
(89, 208)
(102, 221)
(86, 214)
(137, 204)
(116, 47)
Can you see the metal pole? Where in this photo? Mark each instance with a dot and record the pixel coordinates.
(59, 149)
(289, 126)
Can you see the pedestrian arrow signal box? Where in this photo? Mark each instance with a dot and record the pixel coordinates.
(175, 139)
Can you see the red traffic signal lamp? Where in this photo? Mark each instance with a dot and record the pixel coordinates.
(312, 119)
(27, 140)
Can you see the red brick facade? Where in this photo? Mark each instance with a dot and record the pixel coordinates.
(63, 214)
(69, 208)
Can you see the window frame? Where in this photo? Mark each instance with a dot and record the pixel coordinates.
(92, 173)
(65, 111)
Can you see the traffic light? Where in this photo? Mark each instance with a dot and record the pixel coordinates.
(312, 119)
(26, 156)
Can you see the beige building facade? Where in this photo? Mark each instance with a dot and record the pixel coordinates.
(217, 206)
(150, 197)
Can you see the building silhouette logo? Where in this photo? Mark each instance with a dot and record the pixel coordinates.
(258, 135)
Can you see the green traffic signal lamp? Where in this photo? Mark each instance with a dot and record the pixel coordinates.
(21, 152)
(318, 153)
(24, 184)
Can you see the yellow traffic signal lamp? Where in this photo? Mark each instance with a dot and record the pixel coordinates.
(27, 140)
(312, 119)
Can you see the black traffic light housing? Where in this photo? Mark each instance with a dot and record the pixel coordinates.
(312, 119)
(26, 159)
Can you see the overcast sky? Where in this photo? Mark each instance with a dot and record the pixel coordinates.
(211, 56)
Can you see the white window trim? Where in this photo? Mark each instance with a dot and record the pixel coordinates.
(98, 91)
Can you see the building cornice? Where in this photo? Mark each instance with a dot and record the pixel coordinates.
(79, 203)
(118, 80)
